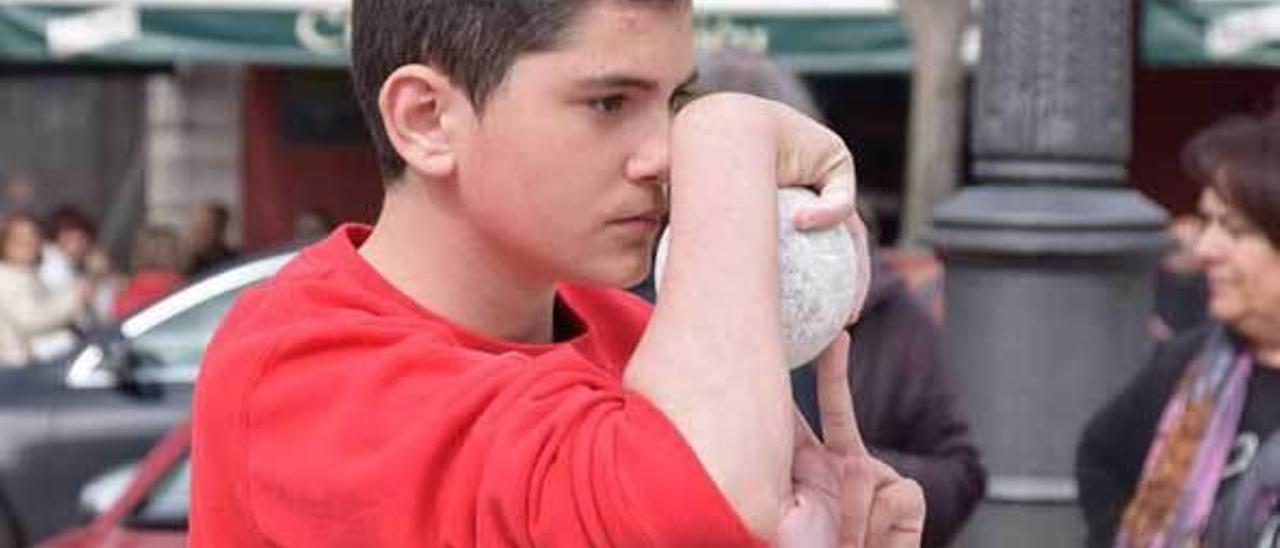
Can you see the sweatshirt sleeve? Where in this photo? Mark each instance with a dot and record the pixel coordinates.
(418, 444)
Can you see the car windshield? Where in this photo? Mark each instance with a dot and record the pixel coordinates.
(167, 340)
(168, 503)
(171, 351)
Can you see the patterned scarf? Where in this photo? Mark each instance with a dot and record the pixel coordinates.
(1184, 466)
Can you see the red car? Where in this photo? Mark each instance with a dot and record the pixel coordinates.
(152, 511)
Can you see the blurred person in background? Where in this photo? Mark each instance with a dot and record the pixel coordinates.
(311, 224)
(28, 308)
(903, 405)
(72, 257)
(18, 194)
(1186, 454)
(64, 259)
(156, 267)
(207, 237)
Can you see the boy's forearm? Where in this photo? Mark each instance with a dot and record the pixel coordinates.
(712, 356)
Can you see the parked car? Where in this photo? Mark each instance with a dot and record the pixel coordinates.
(107, 402)
(152, 511)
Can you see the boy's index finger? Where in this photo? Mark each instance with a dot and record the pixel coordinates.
(835, 401)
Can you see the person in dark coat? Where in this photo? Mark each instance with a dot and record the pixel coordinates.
(208, 238)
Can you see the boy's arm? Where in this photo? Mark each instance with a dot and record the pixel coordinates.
(712, 357)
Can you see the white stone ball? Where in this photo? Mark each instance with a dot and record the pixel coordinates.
(818, 280)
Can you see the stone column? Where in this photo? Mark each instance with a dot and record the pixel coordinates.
(1048, 258)
(194, 145)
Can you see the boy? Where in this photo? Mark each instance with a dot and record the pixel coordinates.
(458, 375)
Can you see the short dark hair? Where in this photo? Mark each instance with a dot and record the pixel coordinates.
(1239, 158)
(473, 42)
(70, 217)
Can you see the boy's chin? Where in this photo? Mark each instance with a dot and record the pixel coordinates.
(618, 278)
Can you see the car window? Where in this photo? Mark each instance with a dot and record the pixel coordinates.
(171, 351)
(168, 503)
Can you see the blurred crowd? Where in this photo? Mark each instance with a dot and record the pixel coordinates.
(57, 282)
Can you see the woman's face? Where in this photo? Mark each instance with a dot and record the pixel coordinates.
(1242, 266)
(23, 244)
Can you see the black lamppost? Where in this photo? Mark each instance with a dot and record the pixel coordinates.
(1048, 259)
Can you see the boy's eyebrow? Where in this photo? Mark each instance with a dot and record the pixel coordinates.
(618, 80)
(689, 80)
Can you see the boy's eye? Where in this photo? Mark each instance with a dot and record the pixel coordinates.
(610, 104)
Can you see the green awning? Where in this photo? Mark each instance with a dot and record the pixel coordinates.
(1211, 32)
(813, 35)
(810, 35)
(102, 32)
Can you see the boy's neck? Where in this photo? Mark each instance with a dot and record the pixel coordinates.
(434, 256)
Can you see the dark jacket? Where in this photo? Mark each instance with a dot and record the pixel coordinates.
(1114, 446)
(905, 410)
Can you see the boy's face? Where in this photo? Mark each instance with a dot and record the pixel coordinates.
(564, 172)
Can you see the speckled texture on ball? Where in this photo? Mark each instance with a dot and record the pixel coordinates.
(817, 279)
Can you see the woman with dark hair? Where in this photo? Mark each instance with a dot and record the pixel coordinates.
(1185, 455)
(27, 307)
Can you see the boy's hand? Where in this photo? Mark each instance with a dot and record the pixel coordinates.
(842, 496)
(809, 155)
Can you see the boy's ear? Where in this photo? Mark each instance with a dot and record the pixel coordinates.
(420, 108)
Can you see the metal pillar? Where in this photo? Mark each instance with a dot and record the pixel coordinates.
(1049, 260)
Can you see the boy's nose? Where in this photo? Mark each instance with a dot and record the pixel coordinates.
(651, 163)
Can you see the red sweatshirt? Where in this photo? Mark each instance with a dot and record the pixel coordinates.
(332, 410)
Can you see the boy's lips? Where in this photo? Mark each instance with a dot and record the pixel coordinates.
(640, 219)
(646, 222)
(637, 223)
(651, 215)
